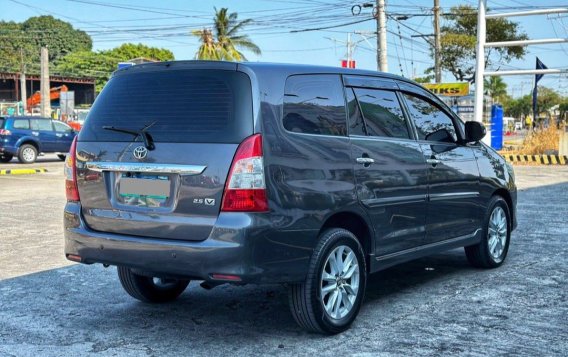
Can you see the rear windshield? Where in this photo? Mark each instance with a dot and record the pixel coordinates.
(184, 105)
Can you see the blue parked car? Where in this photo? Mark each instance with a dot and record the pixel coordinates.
(27, 137)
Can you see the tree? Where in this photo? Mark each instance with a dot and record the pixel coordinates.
(58, 36)
(496, 88)
(225, 43)
(101, 64)
(518, 108)
(15, 47)
(459, 39)
(21, 42)
(546, 99)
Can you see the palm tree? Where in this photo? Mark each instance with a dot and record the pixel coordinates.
(225, 43)
(495, 87)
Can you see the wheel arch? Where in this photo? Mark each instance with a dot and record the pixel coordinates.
(506, 195)
(356, 224)
(30, 141)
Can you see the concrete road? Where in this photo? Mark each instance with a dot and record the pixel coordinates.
(434, 306)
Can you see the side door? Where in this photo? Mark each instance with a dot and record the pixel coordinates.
(454, 208)
(64, 136)
(390, 170)
(42, 129)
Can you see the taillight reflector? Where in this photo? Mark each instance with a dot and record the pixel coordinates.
(5, 132)
(71, 190)
(245, 189)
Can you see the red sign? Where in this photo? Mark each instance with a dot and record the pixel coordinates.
(348, 64)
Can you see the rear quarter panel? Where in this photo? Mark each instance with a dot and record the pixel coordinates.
(308, 178)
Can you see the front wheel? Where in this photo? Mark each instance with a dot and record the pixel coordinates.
(492, 250)
(329, 300)
(150, 289)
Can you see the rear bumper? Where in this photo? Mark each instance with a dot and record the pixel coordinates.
(8, 149)
(240, 244)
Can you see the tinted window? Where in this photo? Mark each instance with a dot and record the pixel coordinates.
(314, 104)
(185, 106)
(1, 123)
(41, 124)
(356, 123)
(428, 119)
(61, 127)
(382, 112)
(21, 124)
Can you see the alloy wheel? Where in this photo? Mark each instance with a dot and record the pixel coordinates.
(339, 285)
(497, 234)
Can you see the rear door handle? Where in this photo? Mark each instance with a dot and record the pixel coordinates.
(365, 160)
(433, 161)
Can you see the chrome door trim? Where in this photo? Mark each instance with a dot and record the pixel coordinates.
(101, 166)
(378, 202)
(453, 195)
(427, 246)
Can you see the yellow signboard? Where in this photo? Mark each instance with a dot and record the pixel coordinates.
(448, 89)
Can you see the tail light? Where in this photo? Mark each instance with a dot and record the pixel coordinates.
(245, 189)
(5, 132)
(71, 190)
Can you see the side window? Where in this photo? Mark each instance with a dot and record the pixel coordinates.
(314, 104)
(383, 113)
(356, 123)
(61, 127)
(430, 120)
(40, 124)
(21, 124)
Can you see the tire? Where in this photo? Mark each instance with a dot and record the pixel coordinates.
(6, 158)
(491, 253)
(147, 289)
(27, 154)
(306, 301)
(61, 157)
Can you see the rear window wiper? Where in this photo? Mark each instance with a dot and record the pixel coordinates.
(148, 140)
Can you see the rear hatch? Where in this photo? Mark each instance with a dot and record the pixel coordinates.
(168, 184)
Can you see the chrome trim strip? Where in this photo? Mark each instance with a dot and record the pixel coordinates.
(101, 166)
(431, 245)
(377, 202)
(453, 195)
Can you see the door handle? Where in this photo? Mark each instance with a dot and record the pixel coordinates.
(59, 135)
(35, 133)
(433, 161)
(365, 160)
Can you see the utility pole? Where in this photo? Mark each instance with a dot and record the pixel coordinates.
(23, 94)
(45, 106)
(437, 42)
(382, 64)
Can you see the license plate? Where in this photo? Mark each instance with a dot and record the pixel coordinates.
(153, 187)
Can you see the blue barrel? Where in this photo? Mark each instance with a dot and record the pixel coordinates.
(496, 127)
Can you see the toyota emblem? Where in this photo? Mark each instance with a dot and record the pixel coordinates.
(140, 152)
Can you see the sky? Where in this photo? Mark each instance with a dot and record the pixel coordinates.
(285, 30)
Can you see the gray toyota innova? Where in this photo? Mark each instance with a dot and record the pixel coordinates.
(274, 173)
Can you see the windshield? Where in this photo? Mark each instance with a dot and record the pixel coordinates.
(185, 106)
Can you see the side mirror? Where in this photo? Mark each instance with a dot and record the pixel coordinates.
(474, 131)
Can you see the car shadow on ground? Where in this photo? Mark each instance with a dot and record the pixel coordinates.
(90, 299)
